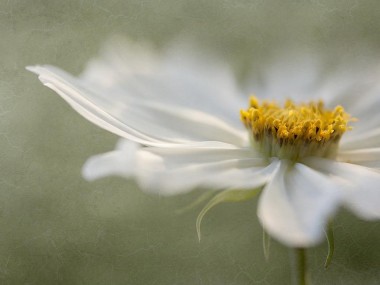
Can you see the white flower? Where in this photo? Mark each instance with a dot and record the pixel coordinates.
(178, 116)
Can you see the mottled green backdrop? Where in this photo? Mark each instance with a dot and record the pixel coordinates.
(56, 228)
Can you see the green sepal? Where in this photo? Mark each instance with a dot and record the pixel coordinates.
(230, 195)
(266, 244)
(331, 244)
(201, 198)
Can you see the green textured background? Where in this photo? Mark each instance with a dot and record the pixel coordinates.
(56, 228)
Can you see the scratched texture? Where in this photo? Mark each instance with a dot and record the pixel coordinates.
(56, 228)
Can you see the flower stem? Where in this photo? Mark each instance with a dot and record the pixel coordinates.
(300, 267)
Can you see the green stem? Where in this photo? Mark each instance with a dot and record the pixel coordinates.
(300, 267)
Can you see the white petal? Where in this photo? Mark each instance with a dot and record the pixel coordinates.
(296, 204)
(145, 122)
(369, 157)
(359, 185)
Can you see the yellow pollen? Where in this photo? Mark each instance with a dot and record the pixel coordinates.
(295, 130)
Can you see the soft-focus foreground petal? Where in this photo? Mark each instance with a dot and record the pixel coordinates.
(144, 121)
(296, 204)
(169, 171)
(360, 185)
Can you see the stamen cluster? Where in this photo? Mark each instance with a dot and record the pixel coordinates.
(295, 130)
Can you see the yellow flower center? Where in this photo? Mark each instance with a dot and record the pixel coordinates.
(295, 130)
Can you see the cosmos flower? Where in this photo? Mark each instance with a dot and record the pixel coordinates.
(309, 140)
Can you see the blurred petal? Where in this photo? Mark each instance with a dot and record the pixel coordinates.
(294, 75)
(179, 170)
(359, 185)
(121, 161)
(296, 203)
(171, 171)
(206, 153)
(366, 131)
(177, 77)
(356, 88)
(214, 176)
